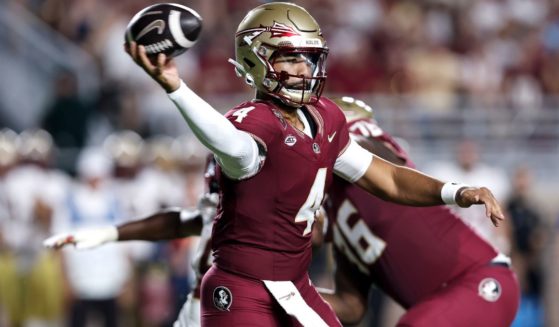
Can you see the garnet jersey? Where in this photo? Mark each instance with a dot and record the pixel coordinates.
(409, 252)
(263, 227)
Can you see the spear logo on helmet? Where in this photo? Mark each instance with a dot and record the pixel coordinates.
(276, 30)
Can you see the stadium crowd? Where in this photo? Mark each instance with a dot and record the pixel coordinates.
(441, 51)
(123, 153)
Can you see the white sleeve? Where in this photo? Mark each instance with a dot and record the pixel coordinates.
(353, 163)
(236, 151)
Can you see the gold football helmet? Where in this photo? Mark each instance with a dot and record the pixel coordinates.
(125, 148)
(36, 145)
(8, 147)
(281, 30)
(354, 109)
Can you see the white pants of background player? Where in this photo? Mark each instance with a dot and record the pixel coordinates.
(189, 316)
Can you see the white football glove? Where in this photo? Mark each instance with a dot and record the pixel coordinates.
(207, 205)
(83, 239)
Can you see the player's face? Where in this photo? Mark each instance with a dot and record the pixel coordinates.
(298, 66)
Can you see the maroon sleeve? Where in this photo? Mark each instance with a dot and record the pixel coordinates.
(257, 119)
(339, 125)
(344, 138)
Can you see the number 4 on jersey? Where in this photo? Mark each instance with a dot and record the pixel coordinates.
(242, 113)
(314, 200)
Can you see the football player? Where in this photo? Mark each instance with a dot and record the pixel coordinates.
(276, 155)
(426, 259)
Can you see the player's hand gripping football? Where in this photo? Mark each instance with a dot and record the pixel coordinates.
(161, 68)
(482, 195)
(83, 239)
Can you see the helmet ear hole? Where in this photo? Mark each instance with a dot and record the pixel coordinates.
(249, 62)
(249, 80)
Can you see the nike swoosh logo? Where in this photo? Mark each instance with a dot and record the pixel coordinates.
(331, 137)
(158, 24)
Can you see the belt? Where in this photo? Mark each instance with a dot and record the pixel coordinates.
(500, 260)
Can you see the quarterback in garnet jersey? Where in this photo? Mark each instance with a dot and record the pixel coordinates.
(306, 165)
(276, 155)
(426, 258)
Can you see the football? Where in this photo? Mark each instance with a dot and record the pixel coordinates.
(167, 28)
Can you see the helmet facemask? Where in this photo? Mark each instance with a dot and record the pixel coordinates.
(296, 89)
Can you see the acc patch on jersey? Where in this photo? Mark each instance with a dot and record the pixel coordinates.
(489, 289)
(290, 140)
(222, 298)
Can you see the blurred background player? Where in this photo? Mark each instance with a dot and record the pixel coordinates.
(96, 278)
(150, 175)
(8, 160)
(175, 167)
(426, 259)
(35, 195)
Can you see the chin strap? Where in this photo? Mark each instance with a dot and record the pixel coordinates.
(241, 72)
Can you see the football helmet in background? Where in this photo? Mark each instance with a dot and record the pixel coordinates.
(8, 147)
(36, 145)
(125, 148)
(280, 30)
(354, 109)
(159, 152)
(189, 152)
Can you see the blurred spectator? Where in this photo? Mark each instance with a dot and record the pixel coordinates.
(344, 75)
(469, 170)
(218, 73)
(481, 76)
(529, 238)
(66, 118)
(488, 16)
(434, 73)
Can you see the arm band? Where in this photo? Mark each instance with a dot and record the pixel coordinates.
(353, 163)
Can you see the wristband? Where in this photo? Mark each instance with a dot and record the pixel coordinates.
(110, 233)
(450, 190)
